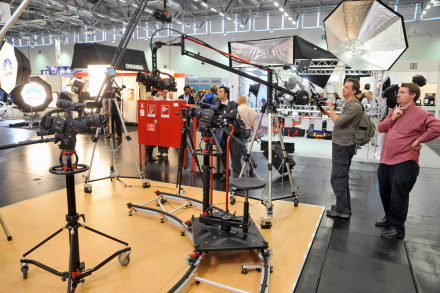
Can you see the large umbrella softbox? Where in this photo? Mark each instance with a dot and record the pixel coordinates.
(33, 96)
(15, 67)
(366, 34)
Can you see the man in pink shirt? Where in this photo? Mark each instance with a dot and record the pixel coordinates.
(406, 127)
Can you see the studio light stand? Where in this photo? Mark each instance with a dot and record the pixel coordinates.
(107, 84)
(269, 107)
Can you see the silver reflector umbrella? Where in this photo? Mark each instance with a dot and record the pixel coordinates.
(366, 34)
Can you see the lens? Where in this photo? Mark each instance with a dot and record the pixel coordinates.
(140, 77)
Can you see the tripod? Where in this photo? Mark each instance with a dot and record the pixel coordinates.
(185, 142)
(5, 228)
(269, 106)
(77, 271)
(87, 185)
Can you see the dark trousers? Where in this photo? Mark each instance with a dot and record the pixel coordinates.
(244, 150)
(234, 157)
(395, 184)
(116, 120)
(163, 150)
(341, 161)
(150, 149)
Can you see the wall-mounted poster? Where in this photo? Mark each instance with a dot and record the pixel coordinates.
(130, 94)
(429, 99)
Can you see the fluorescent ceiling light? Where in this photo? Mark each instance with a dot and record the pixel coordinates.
(228, 18)
(221, 14)
(276, 4)
(213, 9)
(286, 14)
(204, 4)
(281, 9)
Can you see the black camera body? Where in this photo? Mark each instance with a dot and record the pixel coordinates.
(65, 129)
(208, 117)
(154, 80)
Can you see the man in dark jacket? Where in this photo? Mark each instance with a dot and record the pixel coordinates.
(230, 115)
(187, 95)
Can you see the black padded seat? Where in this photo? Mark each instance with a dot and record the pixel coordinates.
(247, 183)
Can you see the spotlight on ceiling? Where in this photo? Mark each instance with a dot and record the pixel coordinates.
(254, 89)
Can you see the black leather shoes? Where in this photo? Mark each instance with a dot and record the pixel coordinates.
(252, 168)
(392, 233)
(333, 207)
(333, 214)
(382, 222)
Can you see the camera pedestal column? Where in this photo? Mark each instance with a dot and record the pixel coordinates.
(77, 271)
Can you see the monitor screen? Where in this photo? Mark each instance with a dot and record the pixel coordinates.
(111, 72)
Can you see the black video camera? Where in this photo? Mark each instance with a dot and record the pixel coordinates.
(154, 80)
(53, 125)
(209, 117)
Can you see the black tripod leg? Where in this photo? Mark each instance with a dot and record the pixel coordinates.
(181, 158)
(192, 148)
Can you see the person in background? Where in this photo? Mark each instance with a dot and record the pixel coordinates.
(212, 97)
(82, 98)
(359, 96)
(229, 116)
(249, 117)
(150, 148)
(406, 127)
(343, 147)
(201, 94)
(115, 118)
(368, 101)
(189, 99)
(337, 100)
(163, 151)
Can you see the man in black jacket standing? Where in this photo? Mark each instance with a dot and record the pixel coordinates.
(187, 95)
(230, 115)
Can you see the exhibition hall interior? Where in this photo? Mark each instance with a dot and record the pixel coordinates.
(194, 146)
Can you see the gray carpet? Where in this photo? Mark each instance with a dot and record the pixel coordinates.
(435, 145)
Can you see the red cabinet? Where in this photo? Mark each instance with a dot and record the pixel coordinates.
(160, 122)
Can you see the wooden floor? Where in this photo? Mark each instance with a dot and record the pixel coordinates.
(158, 251)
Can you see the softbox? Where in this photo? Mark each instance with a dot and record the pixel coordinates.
(275, 52)
(33, 96)
(15, 67)
(365, 34)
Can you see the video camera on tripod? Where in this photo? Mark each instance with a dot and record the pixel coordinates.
(154, 80)
(65, 129)
(208, 115)
(52, 125)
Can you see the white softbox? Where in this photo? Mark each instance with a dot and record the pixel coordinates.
(366, 34)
